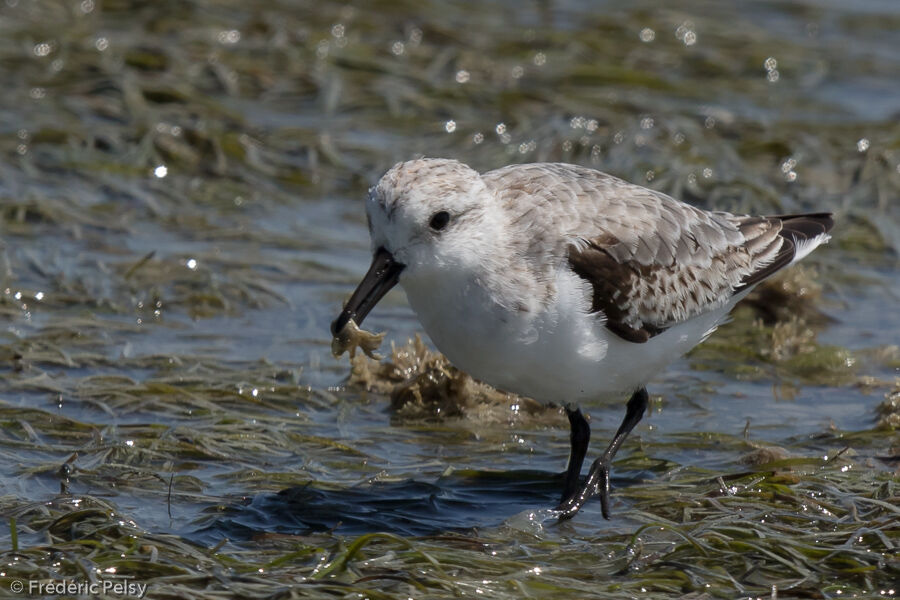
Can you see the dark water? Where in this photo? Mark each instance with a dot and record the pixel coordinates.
(456, 502)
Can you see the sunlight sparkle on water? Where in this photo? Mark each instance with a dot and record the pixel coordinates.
(229, 36)
(43, 49)
(686, 33)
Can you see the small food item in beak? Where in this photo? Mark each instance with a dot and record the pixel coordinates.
(383, 274)
(352, 337)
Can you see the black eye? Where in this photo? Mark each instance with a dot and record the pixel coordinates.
(439, 220)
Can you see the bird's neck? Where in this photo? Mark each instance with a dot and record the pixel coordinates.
(496, 278)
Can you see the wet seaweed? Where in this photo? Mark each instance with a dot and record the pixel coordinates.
(180, 210)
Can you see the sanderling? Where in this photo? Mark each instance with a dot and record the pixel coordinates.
(563, 283)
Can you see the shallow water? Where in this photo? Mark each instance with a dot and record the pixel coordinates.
(181, 195)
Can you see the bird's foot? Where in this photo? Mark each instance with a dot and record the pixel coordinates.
(596, 483)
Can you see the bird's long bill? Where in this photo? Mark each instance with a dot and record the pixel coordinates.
(382, 276)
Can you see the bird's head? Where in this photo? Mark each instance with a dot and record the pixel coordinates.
(428, 219)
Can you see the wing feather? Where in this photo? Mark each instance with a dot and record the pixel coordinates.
(651, 260)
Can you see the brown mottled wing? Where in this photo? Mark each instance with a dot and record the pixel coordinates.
(651, 260)
(612, 283)
(693, 270)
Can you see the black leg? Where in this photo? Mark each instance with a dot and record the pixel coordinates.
(598, 478)
(579, 437)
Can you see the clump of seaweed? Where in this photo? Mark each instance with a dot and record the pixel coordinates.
(792, 293)
(751, 349)
(422, 383)
(889, 410)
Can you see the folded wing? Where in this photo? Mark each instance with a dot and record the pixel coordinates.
(651, 260)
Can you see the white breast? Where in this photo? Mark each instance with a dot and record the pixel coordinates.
(559, 353)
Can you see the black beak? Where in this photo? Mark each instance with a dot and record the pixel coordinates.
(382, 276)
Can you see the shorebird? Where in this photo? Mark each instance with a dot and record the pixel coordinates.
(563, 283)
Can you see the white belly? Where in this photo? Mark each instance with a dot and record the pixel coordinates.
(559, 354)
